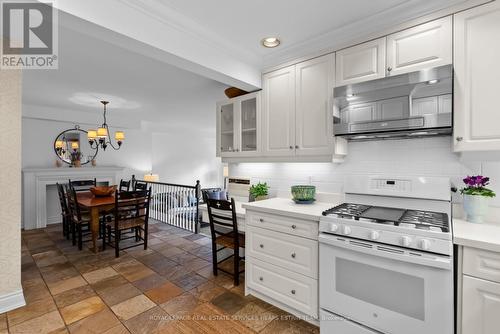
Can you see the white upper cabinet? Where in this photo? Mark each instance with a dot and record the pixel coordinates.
(424, 46)
(362, 62)
(279, 112)
(238, 126)
(476, 55)
(313, 107)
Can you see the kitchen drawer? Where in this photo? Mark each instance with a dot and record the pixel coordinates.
(286, 287)
(302, 228)
(291, 252)
(481, 264)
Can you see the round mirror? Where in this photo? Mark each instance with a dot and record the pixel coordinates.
(72, 144)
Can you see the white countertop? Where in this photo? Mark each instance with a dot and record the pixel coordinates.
(483, 236)
(287, 207)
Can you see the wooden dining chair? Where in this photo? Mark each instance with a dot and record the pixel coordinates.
(140, 186)
(224, 231)
(80, 219)
(124, 186)
(65, 215)
(82, 185)
(130, 220)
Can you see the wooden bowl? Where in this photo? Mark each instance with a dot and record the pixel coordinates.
(103, 191)
(234, 92)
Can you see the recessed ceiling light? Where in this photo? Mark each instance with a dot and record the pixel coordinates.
(270, 42)
(432, 82)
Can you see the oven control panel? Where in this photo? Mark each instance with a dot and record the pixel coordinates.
(398, 236)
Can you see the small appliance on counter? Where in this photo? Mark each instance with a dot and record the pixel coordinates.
(238, 188)
(303, 194)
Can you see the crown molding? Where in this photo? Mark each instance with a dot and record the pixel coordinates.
(375, 26)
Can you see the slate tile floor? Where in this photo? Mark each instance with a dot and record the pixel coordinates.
(168, 288)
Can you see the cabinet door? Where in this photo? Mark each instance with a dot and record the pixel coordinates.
(424, 46)
(279, 112)
(249, 125)
(314, 93)
(480, 306)
(476, 55)
(360, 63)
(227, 134)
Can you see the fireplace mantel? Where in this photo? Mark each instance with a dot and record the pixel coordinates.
(36, 180)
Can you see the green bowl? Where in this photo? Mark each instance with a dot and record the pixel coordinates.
(303, 193)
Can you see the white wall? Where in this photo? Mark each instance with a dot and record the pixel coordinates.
(427, 157)
(38, 139)
(185, 156)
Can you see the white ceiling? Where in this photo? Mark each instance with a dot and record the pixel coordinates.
(91, 69)
(243, 24)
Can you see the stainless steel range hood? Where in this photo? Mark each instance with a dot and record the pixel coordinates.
(417, 104)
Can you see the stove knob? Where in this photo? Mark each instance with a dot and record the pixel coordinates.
(425, 244)
(347, 230)
(405, 241)
(333, 228)
(374, 235)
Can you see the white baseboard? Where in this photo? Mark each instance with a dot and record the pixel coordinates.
(12, 301)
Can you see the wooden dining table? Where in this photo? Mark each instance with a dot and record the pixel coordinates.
(95, 205)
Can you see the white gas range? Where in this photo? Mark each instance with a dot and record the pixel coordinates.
(386, 258)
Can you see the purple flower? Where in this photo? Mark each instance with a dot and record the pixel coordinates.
(476, 181)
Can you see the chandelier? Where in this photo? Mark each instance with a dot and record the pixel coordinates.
(101, 137)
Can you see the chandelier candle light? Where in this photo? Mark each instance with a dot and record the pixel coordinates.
(101, 136)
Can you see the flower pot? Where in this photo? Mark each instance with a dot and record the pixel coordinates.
(476, 207)
(261, 198)
(77, 163)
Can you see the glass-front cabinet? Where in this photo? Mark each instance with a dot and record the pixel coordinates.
(238, 123)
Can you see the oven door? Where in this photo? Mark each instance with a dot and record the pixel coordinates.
(387, 288)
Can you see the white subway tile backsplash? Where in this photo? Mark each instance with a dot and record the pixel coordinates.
(428, 156)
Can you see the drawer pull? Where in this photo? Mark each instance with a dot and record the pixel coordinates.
(293, 292)
(261, 278)
(293, 255)
(261, 246)
(294, 226)
(261, 220)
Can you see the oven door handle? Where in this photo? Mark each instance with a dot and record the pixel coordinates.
(389, 252)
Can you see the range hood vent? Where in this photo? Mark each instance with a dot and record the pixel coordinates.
(412, 105)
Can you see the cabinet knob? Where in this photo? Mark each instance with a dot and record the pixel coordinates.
(297, 146)
(291, 147)
(459, 138)
(389, 69)
(261, 278)
(293, 292)
(294, 226)
(294, 255)
(261, 220)
(261, 246)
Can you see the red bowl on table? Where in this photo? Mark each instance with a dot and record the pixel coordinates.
(103, 191)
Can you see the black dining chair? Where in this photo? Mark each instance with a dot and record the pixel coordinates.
(130, 220)
(140, 186)
(124, 186)
(65, 214)
(80, 218)
(224, 231)
(82, 185)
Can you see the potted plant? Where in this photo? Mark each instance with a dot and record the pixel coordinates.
(259, 191)
(476, 197)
